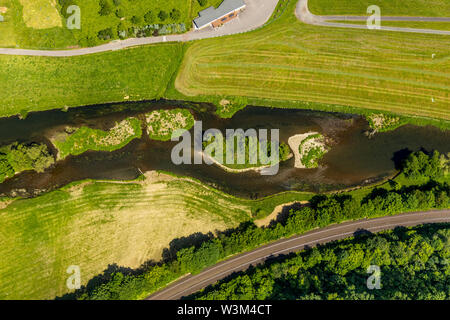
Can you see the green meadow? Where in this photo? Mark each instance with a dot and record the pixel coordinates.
(431, 8)
(130, 74)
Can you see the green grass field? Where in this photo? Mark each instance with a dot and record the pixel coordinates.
(432, 8)
(409, 24)
(95, 224)
(287, 60)
(131, 74)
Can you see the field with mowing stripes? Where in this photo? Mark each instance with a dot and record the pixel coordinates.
(95, 224)
(288, 60)
(430, 8)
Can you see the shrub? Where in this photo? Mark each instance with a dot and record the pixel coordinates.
(149, 17)
(120, 13)
(175, 14)
(105, 8)
(202, 3)
(162, 15)
(419, 165)
(136, 20)
(105, 34)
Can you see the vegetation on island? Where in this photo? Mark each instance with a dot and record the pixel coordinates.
(312, 149)
(84, 138)
(413, 265)
(227, 107)
(251, 155)
(162, 124)
(380, 122)
(19, 157)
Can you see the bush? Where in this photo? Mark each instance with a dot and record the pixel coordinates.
(136, 20)
(175, 14)
(19, 157)
(202, 3)
(162, 15)
(105, 8)
(149, 17)
(105, 34)
(421, 165)
(122, 31)
(120, 13)
(64, 5)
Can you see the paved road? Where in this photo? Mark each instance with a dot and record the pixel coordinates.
(191, 284)
(303, 14)
(254, 16)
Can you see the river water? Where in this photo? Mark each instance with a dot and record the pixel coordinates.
(353, 159)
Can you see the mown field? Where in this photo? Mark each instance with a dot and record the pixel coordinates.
(95, 224)
(288, 60)
(42, 83)
(432, 8)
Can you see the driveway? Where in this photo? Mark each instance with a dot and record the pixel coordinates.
(254, 16)
(303, 14)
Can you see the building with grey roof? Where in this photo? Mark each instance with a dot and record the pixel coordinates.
(211, 16)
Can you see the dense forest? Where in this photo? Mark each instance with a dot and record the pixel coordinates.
(413, 264)
(322, 211)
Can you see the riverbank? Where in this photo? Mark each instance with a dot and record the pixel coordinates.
(158, 75)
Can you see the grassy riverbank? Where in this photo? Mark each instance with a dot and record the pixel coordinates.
(125, 75)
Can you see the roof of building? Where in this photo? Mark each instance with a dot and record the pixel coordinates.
(211, 14)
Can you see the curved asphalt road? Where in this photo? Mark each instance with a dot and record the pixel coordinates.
(211, 275)
(303, 14)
